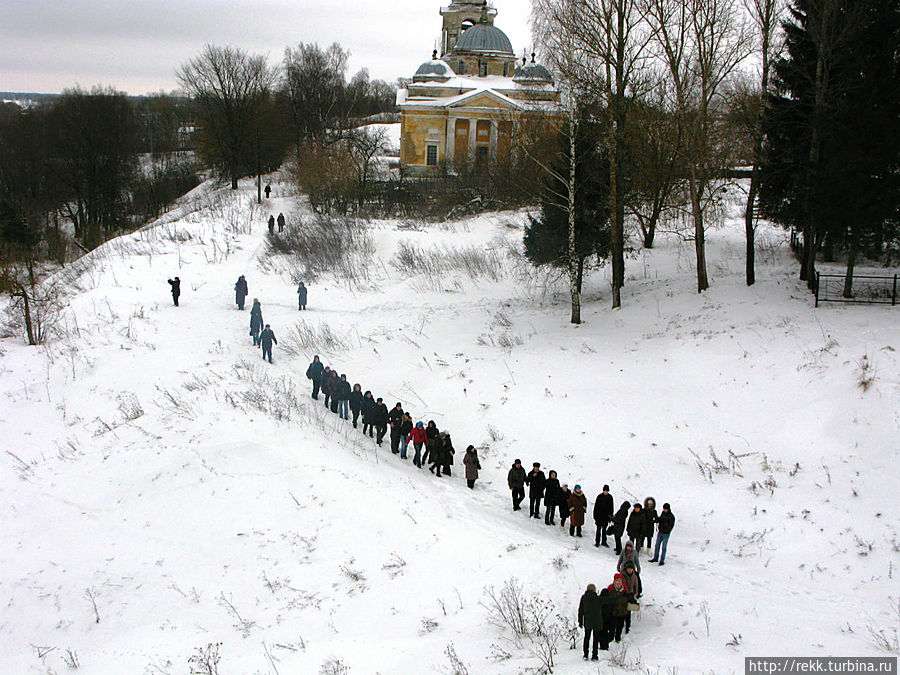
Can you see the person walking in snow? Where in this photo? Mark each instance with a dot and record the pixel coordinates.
(368, 405)
(326, 384)
(577, 509)
(301, 296)
(380, 420)
(240, 292)
(335, 390)
(314, 373)
(633, 584)
(271, 224)
(473, 466)
(406, 426)
(343, 397)
(617, 529)
(417, 437)
(268, 191)
(666, 522)
(435, 452)
(395, 419)
(431, 434)
(536, 482)
(650, 517)
(603, 513)
(356, 400)
(280, 222)
(629, 554)
(266, 338)
(516, 481)
(618, 598)
(176, 289)
(563, 504)
(256, 321)
(590, 617)
(447, 453)
(635, 527)
(551, 497)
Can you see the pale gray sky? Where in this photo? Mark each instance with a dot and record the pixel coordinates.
(136, 45)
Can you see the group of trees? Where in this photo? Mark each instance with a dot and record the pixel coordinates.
(683, 92)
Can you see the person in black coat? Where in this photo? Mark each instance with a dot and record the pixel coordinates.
(240, 291)
(343, 397)
(590, 617)
(301, 296)
(515, 479)
(395, 419)
(314, 373)
(617, 529)
(636, 524)
(271, 224)
(281, 222)
(356, 399)
(176, 289)
(368, 405)
(551, 497)
(406, 426)
(268, 191)
(666, 522)
(606, 609)
(563, 503)
(256, 321)
(326, 385)
(603, 513)
(536, 482)
(379, 417)
(447, 452)
(431, 437)
(266, 338)
(335, 389)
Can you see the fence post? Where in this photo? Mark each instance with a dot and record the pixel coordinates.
(817, 288)
(894, 292)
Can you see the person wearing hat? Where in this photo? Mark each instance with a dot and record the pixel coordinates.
(417, 438)
(635, 527)
(617, 529)
(590, 617)
(618, 598)
(551, 497)
(176, 289)
(368, 405)
(633, 583)
(240, 291)
(470, 460)
(563, 503)
(266, 338)
(406, 426)
(395, 419)
(379, 420)
(603, 513)
(516, 481)
(577, 509)
(666, 522)
(650, 518)
(628, 554)
(536, 482)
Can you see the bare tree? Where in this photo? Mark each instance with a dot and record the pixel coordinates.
(314, 85)
(230, 88)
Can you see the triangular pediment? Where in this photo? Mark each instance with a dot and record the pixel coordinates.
(484, 99)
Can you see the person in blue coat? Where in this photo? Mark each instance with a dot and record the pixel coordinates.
(256, 321)
(266, 338)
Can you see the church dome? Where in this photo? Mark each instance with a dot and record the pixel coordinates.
(532, 73)
(483, 37)
(433, 70)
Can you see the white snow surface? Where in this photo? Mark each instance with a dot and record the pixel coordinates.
(153, 460)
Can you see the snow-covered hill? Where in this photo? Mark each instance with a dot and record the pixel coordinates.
(164, 490)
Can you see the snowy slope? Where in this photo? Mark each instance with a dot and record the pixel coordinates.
(155, 463)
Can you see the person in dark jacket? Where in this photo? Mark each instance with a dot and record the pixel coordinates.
(618, 597)
(551, 497)
(617, 529)
(271, 224)
(281, 222)
(473, 466)
(176, 289)
(417, 437)
(536, 481)
(343, 397)
(516, 481)
(435, 453)
(380, 420)
(635, 527)
(335, 390)
(650, 517)
(577, 509)
(326, 385)
(590, 617)
(368, 405)
(240, 291)
(256, 321)
(603, 513)
(301, 296)
(447, 453)
(266, 338)
(406, 427)
(395, 419)
(314, 372)
(356, 399)
(563, 504)
(268, 191)
(606, 607)
(666, 522)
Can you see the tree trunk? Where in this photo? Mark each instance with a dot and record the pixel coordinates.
(29, 328)
(699, 235)
(234, 183)
(572, 252)
(851, 263)
(580, 275)
(749, 226)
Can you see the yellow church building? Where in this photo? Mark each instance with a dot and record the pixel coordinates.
(461, 108)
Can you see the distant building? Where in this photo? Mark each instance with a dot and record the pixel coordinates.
(460, 109)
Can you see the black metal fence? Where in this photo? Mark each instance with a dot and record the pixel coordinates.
(865, 289)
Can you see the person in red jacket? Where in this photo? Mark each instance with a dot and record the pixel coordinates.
(417, 437)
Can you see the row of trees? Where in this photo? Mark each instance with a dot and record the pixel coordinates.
(665, 86)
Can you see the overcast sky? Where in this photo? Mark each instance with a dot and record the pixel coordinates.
(136, 45)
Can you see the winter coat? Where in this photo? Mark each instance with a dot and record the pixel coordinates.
(516, 478)
(431, 435)
(606, 607)
(266, 338)
(470, 461)
(271, 223)
(634, 585)
(315, 370)
(256, 320)
(563, 502)
(635, 527)
(332, 384)
(356, 399)
(379, 415)
(624, 558)
(536, 483)
(417, 435)
(343, 390)
(590, 611)
(618, 600)
(368, 405)
(176, 287)
(240, 290)
(406, 427)
(603, 508)
(447, 450)
(395, 417)
(281, 221)
(666, 522)
(618, 524)
(650, 519)
(551, 492)
(577, 508)
(301, 292)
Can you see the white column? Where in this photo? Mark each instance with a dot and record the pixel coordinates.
(450, 140)
(492, 147)
(473, 131)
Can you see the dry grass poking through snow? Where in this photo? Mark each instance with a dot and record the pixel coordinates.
(436, 262)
